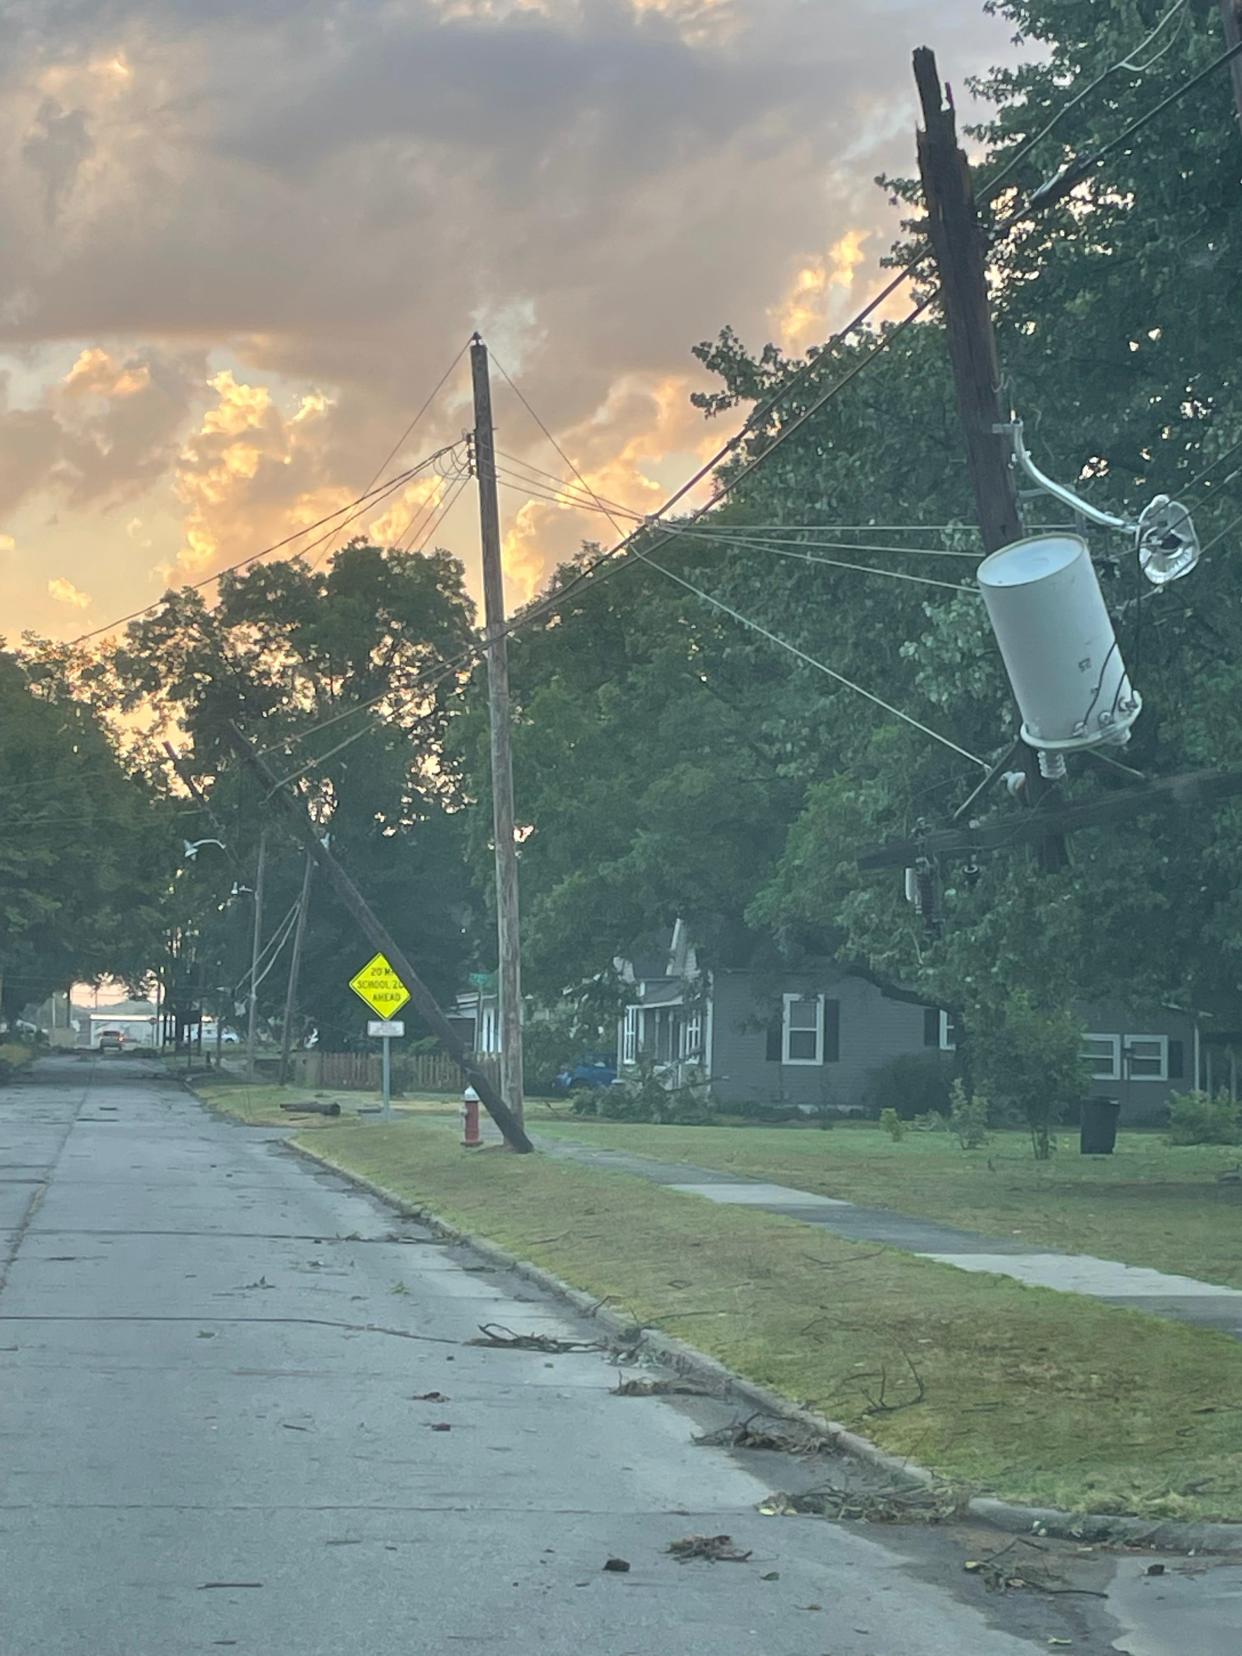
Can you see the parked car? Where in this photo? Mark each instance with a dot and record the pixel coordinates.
(111, 1040)
(594, 1071)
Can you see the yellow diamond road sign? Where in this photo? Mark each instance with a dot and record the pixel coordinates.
(380, 987)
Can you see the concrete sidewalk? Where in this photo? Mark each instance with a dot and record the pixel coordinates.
(1205, 1304)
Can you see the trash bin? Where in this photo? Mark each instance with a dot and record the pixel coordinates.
(1098, 1136)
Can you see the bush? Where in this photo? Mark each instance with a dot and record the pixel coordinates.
(932, 1122)
(644, 1097)
(893, 1125)
(1198, 1118)
(13, 1054)
(1030, 1059)
(912, 1084)
(969, 1117)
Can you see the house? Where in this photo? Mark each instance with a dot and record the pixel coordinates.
(812, 1038)
(475, 1014)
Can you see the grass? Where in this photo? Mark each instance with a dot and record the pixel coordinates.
(1150, 1204)
(1033, 1395)
(260, 1105)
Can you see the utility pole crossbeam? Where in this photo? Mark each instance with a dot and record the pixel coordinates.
(295, 970)
(378, 935)
(1193, 789)
(508, 933)
(960, 249)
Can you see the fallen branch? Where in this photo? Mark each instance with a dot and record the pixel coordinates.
(504, 1339)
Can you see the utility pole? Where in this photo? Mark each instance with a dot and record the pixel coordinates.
(508, 935)
(960, 250)
(1231, 13)
(253, 1011)
(295, 968)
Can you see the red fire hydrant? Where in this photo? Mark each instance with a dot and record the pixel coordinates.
(471, 1136)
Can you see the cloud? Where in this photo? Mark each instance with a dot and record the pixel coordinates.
(8, 543)
(64, 592)
(324, 196)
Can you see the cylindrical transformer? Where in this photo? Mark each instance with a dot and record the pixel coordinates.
(1057, 642)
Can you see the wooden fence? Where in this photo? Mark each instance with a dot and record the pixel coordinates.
(433, 1072)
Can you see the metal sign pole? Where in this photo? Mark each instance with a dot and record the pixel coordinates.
(387, 1079)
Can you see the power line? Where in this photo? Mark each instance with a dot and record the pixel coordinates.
(356, 508)
(409, 430)
(811, 661)
(738, 535)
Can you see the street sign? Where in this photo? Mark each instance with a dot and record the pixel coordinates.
(380, 987)
(392, 1028)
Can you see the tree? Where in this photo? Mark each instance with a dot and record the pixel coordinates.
(337, 673)
(86, 842)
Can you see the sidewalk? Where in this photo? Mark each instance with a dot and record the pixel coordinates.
(1184, 1299)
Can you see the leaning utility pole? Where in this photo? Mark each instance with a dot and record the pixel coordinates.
(960, 250)
(380, 938)
(1231, 13)
(253, 1010)
(295, 969)
(508, 934)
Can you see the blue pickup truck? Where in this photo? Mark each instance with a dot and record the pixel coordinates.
(595, 1071)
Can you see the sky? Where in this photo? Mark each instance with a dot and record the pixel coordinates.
(241, 242)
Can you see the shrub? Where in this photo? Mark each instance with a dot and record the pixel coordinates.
(913, 1083)
(893, 1125)
(643, 1096)
(1198, 1118)
(933, 1121)
(1030, 1059)
(969, 1117)
(13, 1054)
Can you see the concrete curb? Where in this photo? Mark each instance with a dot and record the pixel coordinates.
(1158, 1534)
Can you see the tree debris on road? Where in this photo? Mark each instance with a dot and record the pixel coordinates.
(717, 1549)
(504, 1339)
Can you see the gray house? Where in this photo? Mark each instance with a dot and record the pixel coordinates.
(814, 1037)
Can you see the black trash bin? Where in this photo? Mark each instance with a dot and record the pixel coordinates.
(1098, 1136)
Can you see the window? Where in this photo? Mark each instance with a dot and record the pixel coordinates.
(803, 1030)
(692, 1037)
(629, 1036)
(939, 1029)
(1147, 1057)
(1102, 1055)
(774, 1039)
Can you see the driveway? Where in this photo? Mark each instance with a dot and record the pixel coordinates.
(239, 1410)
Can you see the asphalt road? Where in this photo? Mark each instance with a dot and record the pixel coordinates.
(212, 1436)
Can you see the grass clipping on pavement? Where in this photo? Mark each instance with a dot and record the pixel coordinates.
(1029, 1394)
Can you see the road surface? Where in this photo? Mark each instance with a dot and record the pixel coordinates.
(215, 1434)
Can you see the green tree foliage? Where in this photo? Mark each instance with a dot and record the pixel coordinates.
(86, 841)
(358, 644)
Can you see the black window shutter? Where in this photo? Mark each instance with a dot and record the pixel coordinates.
(931, 1026)
(1177, 1061)
(832, 1031)
(776, 1035)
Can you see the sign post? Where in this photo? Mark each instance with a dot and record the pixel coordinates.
(383, 991)
(387, 1029)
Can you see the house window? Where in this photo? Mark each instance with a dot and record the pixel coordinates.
(1147, 1057)
(692, 1037)
(629, 1036)
(931, 1026)
(947, 1032)
(803, 1030)
(1102, 1055)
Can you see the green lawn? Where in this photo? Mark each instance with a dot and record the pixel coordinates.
(1150, 1204)
(1030, 1394)
(259, 1105)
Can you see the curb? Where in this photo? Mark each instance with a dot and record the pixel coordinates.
(1157, 1534)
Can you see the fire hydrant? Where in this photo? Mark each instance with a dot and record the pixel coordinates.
(471, 1136)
